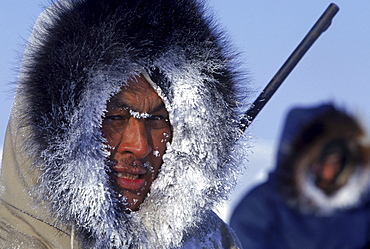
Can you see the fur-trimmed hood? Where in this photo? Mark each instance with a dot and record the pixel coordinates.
(79, 55)
(306, 132)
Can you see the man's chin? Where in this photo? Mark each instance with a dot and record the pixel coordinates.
(130, 203)
(133, 207)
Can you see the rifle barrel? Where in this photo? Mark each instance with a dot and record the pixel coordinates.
(319, 27)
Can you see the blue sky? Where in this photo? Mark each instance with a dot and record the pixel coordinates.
(336, 68)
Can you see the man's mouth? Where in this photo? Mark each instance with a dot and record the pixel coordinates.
(126, 175)
(130, 178)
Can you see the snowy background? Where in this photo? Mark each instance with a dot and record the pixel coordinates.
(336, 68)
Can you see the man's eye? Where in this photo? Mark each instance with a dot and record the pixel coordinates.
(114, 123)
(115, 117)
(157, 122)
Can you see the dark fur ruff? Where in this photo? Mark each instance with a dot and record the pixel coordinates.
(80, 55)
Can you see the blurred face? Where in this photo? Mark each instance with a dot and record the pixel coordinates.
(137, 129)
(327, 171)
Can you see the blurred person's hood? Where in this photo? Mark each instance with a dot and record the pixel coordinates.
(306, 131)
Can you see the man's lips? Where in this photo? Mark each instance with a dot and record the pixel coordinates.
(129, 178)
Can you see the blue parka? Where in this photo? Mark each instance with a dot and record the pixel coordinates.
(276, 214)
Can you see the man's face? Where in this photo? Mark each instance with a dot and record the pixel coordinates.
(137, 129)
(330, 174)
(327, 171)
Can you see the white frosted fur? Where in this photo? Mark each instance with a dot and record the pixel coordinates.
(346, 197)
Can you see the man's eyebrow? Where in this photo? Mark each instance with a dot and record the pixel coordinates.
(117, 103)
(121, 104)
(159, 107)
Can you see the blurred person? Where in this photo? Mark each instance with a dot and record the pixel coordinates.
(124, 129)
(318, 194)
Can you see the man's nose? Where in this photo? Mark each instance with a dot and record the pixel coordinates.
(328, 171)
(135, 139)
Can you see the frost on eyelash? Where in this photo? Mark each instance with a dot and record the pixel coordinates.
(139, 115)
